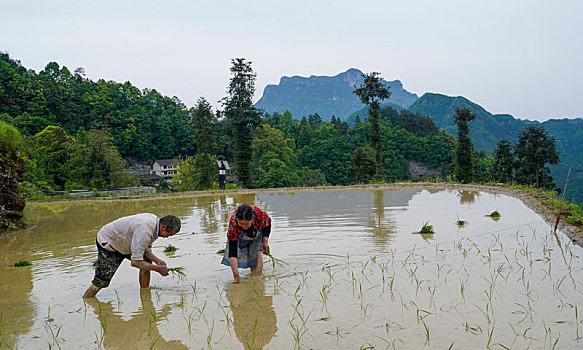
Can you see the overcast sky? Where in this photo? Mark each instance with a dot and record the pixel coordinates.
(518, 57)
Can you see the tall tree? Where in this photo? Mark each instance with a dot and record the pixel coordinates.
(503, 167)
(464, 152)
(96, 162)
(362, 166)
(204, 122)
(371, 92)
(534, 149)
(242, 117)
(51, 152)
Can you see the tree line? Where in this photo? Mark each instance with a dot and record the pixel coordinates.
(78, 133)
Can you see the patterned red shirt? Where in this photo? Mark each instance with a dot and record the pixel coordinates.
(260, 220)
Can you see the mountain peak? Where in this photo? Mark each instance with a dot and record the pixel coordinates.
(326, 95)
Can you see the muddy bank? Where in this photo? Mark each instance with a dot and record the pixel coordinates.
(575, 233)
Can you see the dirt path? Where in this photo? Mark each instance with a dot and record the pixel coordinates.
(575, 233)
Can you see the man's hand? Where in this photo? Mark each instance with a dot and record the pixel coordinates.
(161, 269)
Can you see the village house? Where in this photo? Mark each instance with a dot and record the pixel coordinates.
(165, 168)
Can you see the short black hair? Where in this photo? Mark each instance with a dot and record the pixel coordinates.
(244, 212)
(171, 222)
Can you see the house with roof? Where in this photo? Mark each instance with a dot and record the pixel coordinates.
(165, 168)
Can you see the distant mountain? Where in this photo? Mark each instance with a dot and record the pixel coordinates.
(327, 96)
(487, 129)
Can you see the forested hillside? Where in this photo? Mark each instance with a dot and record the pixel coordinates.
(488, 129)
(144, 124)
(79, 134)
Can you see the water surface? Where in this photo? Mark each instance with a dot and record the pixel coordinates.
(357, 276)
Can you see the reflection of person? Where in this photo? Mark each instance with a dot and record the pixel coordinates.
(119, 332)
(131, 238)
(222, 175)
(248, 234)
(254, 318)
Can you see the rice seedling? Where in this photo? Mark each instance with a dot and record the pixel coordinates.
(153, 343)
(21, 263)
(94, 263)
(426, 228)
(193, 286)
(556, 342)
(189, 322)
(178, 272)
(473, 329)
(54, 335)
(249, 345)
(209, 337)
(221, 251)
(494, 215)
(426, 332)
(170, 248)
(461, 223)
(277, 262)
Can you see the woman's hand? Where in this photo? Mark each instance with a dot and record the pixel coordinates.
(266, 249)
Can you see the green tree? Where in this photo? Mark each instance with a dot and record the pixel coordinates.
(534, 149)
(371, 92)
(11, 141)
(363, 165)
(242, 117)
(190, 175)
(464, 153)
(204, 122)
(274, 159)
(52, 154)
(504, 162)
(96, 162)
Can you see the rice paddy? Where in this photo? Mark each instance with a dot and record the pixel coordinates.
(348, 274)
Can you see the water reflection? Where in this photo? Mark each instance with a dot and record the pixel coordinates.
(382, 228)
(254, 317)
(139, 332)
(467, 197)
(16, 309)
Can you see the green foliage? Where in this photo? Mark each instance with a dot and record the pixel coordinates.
(494, 214)
(178, 272)
(534, 149)
(193, 173)
(362, 168)
(242, 117)
(11, 141)
(170, 248)
(22, 263)
(96, 163)
(427, 228)
(52, 146)
(503, 167)
(371, 92)
(275, 161)
(464, 154)
(144, 124)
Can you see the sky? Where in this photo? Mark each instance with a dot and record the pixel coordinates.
(521, 57)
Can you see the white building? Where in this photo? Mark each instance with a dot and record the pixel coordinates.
(165, 168)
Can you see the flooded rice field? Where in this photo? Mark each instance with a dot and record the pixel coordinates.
(355, 277)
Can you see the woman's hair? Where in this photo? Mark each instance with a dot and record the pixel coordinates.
(244, 212)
